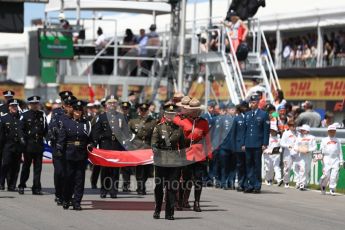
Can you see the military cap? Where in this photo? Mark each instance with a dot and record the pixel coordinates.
(170, 108)
(143, 106)
(34, 99)
(111, 99)
(230, 105)
(125, 104)
(8, 93)
(212, 103)
(64, 94)
(222, 105)
(70, 100)
(78, 105)
(90, 105)
(244, 104)
(254, 97)
(13, 102)
(103, 100)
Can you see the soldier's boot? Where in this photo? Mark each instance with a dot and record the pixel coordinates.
(186, 198)
(66, 205)
(21, 190)
(156, 214)
(197, 195)
(77, 207)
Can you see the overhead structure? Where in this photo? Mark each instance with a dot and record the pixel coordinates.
(137, 7)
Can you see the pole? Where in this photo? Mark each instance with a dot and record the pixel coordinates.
(182, 44)
(154, 16)
(78, 14)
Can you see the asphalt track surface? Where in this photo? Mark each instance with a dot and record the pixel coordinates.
(274, 208)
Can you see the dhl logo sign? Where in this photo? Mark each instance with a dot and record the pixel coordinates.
(314, 89)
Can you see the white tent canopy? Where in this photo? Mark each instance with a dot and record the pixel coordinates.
(112, 5)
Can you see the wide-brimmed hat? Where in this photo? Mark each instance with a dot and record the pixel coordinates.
(194, 104)
(184, 101)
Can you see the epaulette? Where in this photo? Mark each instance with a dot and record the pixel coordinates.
(3, 114)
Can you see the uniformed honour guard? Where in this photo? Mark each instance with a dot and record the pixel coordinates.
(256, 139)
(142, 127)
(35, 130)
(67, 100)
(8, 95)
(12, 145)
(110, 132)
(169, 155)
(73, 139)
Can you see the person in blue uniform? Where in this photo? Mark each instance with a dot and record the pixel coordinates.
(234, 144)
(73, 139)
(211, 116)
(110, 132)
(67, 99)
(226, 158)
(35, 129)
(12, 144)
(255, 141)
(8, 95)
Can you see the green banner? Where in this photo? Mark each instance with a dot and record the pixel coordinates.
(48, 71)
(56, 47)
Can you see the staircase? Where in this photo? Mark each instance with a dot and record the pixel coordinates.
(256, 66)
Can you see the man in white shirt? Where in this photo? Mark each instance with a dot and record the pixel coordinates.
(305, 145)
(332, 159)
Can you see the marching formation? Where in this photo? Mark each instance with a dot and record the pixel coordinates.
(190, 148)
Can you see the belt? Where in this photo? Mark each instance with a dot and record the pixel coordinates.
(75, 143)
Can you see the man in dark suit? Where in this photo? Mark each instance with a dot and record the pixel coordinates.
(256, 137)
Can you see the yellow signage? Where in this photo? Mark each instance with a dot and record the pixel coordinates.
(313, 88)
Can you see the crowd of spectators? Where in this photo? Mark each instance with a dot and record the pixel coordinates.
(135, 52)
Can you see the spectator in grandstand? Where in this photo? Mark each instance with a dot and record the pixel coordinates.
(328, 120)
(100, 42)
(214, 43)
(306, 55)
(128, 67)
(154, 44)
(141, 41)
(279, 98)
(238, 30)
(309, 117)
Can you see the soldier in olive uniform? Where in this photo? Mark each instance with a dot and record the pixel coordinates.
(59, 163)
(142, 127)
(110, 132)
(169, 155)
(35, 129)
(72, 141)
(12, 143)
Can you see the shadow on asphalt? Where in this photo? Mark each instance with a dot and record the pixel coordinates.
(270, 192)
(118, 205)
(7, 197)
(132, 206)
